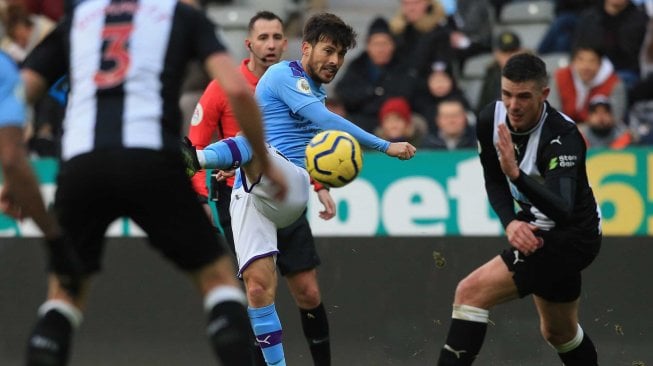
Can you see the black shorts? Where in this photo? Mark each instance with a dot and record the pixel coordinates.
(553, 272)
(296, 244)
(148, 186)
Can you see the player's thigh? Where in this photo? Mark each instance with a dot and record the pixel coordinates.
(553, 272)
(85, 204)
(490, 284)
(297, 252)
(255, 235)
(285, 212)
(165, 206)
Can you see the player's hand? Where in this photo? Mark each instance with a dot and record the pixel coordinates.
(521, 236)
(66, 264)
(329, 205)
(506, 152)
(401, 150)
(8, 204)
(189, 155)
(221, 175)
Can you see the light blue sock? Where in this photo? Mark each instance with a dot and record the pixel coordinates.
(267, 329)
(227, 154)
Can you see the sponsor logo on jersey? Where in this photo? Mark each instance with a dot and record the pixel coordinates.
(198, 114)
(563, 161)
(303, 86)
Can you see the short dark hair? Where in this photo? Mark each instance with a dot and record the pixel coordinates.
(587, 46)
(329, 26)
(267, 15)
(525, 67)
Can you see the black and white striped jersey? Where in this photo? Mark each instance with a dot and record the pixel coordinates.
(553, 189)
(126, 60)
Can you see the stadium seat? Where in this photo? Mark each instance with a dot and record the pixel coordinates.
(555, 61)
(530, 34)
(232, 24)
(475, 66)
(537, 11)
(471, 78)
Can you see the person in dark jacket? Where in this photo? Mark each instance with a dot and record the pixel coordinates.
(619, 26)
(453, 128)
(373, 77)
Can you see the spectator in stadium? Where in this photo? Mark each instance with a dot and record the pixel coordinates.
(372, 77)
(471, 33)
(24, 31)
(534, 157)
(453, 130)
(640, 112)
(441, 85)
(422, 33)
(558, 37)
(619, 26)
(603, 128)
(588, 74)
(121, 147)
(298, 258)
(397, 122)
(506, 44)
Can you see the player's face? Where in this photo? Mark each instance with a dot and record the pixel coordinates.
(524, 102)
(323, 60)
(266, 42)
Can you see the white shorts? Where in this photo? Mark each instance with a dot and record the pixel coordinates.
(256, 215)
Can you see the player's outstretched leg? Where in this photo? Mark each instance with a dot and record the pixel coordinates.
(225, 154)
(50, 340)
(316, 330)
(579, 351)
(228, 326)
(465, 337)
(267, 329)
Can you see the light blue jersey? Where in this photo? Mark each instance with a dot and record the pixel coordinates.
(12, 110)
(293, 108)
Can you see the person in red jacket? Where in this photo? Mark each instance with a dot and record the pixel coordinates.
(589, 74)
(298, 258)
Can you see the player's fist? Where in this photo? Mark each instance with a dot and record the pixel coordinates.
(189, 154)
(401, 150)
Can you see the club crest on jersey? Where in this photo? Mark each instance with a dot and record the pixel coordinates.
(302, 86)
(198, 114)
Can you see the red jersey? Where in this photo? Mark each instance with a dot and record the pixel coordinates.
(213, 117)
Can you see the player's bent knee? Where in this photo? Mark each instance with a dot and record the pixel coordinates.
(466, 290)
(556, 336)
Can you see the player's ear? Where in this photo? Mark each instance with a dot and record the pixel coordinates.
(545, 92)
(306, 48)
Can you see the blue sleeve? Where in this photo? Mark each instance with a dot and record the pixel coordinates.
(294, 91)
(12, 110)
(328, 120)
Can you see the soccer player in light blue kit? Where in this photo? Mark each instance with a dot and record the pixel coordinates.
(20, 196)
(292, 100)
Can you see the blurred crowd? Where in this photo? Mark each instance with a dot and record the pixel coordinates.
(408, 82)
